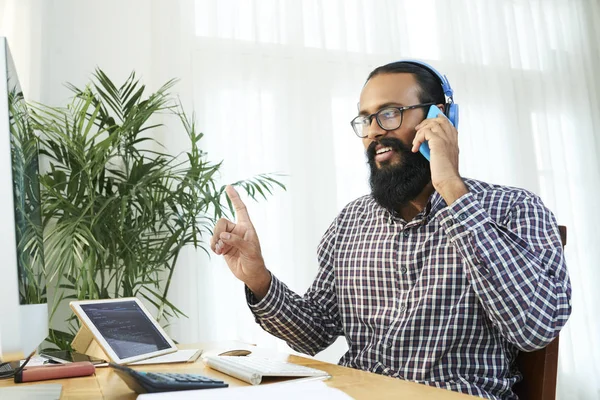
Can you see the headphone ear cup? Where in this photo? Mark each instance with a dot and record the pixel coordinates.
(453, 114)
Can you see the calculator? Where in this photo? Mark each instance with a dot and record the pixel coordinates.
(152, 382)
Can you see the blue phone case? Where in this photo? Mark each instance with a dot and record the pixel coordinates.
(434, 111)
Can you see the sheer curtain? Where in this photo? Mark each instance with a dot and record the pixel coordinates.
(274, 84)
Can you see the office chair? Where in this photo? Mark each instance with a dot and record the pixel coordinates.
(539, 368)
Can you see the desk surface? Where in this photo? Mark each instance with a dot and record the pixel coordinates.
(358, 384)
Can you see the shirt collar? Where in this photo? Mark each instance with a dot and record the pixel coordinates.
(435, 203)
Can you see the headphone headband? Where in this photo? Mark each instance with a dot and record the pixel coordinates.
(451, 107)
(442, 78)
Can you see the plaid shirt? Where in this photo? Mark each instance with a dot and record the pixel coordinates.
(447, 299)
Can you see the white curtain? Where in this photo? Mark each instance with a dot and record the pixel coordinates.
(274, 84)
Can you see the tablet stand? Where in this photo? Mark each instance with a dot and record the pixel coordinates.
(85, 343)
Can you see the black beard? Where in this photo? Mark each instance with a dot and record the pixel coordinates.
(393, 186)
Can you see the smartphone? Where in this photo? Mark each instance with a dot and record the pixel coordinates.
(434, 111)
(65, 357)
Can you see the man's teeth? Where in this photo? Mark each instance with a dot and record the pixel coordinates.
(383, 150)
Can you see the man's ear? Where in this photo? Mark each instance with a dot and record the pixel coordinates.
(442, 108)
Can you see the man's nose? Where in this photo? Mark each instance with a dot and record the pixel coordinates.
(374, 131)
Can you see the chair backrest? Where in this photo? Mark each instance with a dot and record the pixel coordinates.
(539, 368)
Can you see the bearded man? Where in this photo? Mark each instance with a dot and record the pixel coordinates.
(433, 277)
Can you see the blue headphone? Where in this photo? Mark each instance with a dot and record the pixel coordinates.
(451, 108)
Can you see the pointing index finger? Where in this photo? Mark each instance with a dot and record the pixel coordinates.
(238, 204)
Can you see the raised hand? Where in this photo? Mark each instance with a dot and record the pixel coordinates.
(239, 245)
(442, 139)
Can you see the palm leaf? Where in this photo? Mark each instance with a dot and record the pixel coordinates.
(116, 214)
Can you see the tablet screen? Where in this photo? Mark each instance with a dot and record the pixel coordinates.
(126, 328)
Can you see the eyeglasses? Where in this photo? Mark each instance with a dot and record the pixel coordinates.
(388, 118)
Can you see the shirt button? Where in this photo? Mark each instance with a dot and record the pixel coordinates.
(406, 234)
(403, 270)
(387, 344)
(402, 309)
(462, 217)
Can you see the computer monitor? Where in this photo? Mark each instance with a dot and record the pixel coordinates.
(23, 304)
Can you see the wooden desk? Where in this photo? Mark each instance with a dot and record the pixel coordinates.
(358, 384)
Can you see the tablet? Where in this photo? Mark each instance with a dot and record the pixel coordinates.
(124, 329)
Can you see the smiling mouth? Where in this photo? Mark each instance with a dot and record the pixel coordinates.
(385, 155)
(383, 150)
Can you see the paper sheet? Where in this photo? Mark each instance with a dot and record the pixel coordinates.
(49, 391)
(294, 390)
(36, 361)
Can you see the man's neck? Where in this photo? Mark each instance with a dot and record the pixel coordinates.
(418, 204)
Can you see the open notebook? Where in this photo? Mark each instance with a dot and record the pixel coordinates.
(253, 369)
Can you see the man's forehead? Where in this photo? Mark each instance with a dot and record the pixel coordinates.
(401, 89)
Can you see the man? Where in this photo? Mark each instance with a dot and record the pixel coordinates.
(433, 277)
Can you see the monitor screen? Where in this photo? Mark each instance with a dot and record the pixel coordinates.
(26, 194)
(126, 328)
(23, 305)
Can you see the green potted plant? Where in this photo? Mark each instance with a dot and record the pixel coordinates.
(116, 211)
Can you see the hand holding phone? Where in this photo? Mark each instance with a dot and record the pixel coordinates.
(434, 111)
